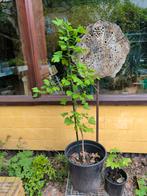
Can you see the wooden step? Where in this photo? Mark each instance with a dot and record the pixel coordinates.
(11, 186)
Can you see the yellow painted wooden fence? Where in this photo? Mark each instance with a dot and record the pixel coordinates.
(42, 128)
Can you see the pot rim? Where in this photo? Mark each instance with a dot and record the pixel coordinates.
(86, 166)
(115, 183)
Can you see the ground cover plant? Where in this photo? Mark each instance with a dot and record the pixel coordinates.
(142, 187)
(34, 171)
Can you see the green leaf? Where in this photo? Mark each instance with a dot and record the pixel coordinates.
(63, 45)
(89, 97)
(68, 27)
(57, 57)
(46, 82)
(65, 82)
(75, 96)
(58, 22)
(87, 82)
(64, 61)
(63, 101)
(77, 49)
(86, 106)
(68, 121)
(88, 130)
(35, 95)
(77, 80)
(35, 90)
(63, 38)
(81, 30)
(126, 162)
(91, 120)
(64, 114)
(69, 93)
(114, 150)
(78, 39)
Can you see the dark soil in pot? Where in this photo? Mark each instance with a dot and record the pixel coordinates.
(86, 177)
(115, 181)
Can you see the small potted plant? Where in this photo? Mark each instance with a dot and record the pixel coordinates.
(115, 176)
(85, 157)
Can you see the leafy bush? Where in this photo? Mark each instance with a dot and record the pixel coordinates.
(20, 164)
(40, 172)
(116, 161)
(34, 171)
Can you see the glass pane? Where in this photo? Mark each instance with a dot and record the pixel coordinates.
(13, 68)
(130, 15)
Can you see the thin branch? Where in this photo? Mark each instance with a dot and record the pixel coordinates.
(8, 37)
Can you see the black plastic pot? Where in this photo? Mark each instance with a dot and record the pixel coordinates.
(85, 178)
(114, 188)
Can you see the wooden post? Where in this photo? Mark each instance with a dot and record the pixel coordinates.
(29, 36)
(40, 28)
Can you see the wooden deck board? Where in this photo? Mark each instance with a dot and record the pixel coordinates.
(11, 186)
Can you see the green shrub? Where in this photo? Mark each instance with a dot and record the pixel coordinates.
(41, 172)
(20, 164)
(142, 185)
(34, 171)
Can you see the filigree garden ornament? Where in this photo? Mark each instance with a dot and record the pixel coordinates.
(106, 48)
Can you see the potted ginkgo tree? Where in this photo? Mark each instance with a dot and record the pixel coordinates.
(85, 157)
